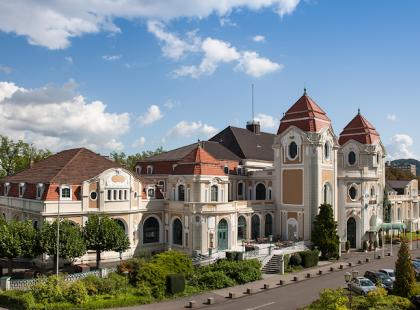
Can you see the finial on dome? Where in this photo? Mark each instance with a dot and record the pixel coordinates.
(304, 91)
(199, 142)
(358, 111)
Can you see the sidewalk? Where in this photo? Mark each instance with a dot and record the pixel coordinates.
(268, 281)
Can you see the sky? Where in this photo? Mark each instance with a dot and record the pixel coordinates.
(133, 75)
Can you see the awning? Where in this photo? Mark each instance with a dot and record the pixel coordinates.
(393, 226)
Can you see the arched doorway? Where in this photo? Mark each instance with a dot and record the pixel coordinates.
(260, 192)
(255, 227)
(241, 228)
(351, 232)
(268, 228)
(222, 235)
(177, 232)
(292, 229)
(151, 230)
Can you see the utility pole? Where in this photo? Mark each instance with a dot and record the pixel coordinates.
(58, 230)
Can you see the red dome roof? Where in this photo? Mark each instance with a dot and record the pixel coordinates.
(361, 130)
(306, 115)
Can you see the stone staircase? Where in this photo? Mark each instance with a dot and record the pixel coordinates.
(273, 265)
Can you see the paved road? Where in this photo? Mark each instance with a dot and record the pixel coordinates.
(291, 296)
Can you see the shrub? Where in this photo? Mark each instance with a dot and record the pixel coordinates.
(295, 259)
(92, 283)
(155, 276)
(286, 259)
(49, 290)
(144, 290)
(240, 271)
(208, 279)
(310, 258)
(175, 283)
(174, 262)
(17, 300)
(365, 246)
(113, 284)
(77, 293)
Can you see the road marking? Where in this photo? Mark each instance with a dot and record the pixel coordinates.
(262, 306)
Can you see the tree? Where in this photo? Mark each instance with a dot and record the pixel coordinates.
(18, 156)
(405, 278)
(129, 162)
(71, 242)
(324, 234)
(330, 299)
(386, 208)
(104, 234)
(18, 239)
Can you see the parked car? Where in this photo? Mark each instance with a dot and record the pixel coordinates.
(361, 285)
(380, 278)
(416, 265)
(389, 272)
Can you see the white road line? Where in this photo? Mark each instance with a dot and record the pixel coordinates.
(262, 306)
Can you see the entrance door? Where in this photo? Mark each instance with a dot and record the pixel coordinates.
(351, 232)
(222, 235)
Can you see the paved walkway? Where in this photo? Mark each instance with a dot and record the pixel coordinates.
(271, 281)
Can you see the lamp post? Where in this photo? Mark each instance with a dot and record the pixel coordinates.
(347, 278)
(270, 239)
(417, 235)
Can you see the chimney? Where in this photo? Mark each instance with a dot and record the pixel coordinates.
(254, 126)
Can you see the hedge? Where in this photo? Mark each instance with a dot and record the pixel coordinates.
(309, 258)
(17, 300)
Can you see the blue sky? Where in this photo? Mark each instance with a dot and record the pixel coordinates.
(133, 76)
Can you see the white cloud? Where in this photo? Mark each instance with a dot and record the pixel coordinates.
(391, 117)
(226, 21)
(267, 121)
(401, 147)
(258, 38)
(111, 57)
(252, 64)
(58, 117)
(139, 142)
(191, 129)
(69, 59)
(169, 104)
(52, 24)
(5, 69)
(152, 115)
(172, 46)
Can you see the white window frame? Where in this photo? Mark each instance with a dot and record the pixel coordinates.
(6, 189)
(138, 169)
(39, 190)
(90, 195)
(151, 188)
(297, 151)
(22, 189)
(357, 192)
(149, 169)
(62, 187)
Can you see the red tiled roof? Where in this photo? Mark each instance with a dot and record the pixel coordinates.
(67, 167)
(306, 115)
(361, 130)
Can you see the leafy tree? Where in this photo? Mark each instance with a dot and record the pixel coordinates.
(324, 234)
(405, 278)
(18, 156)
(129, 162)
(104, 234)
(330, 299)
(71, 242)
(18, 239)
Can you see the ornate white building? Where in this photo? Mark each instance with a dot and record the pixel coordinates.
(242, 184)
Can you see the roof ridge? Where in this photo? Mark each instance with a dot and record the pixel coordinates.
(71, 160)
(236, 140)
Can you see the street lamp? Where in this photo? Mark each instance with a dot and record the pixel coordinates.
(270, 239)
(347, 278)
(58, 230)
(417, 235)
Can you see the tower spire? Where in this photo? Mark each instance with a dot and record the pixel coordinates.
(252, 99)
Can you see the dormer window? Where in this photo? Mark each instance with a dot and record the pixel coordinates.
(239, 170)
(293, 150)
(149, 169)
(6, 189)
(138, 169)
(22, 188)
(39, 190)
(226, 170)
(65, 192)
(161, 185)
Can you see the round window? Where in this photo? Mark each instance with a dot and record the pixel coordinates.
(352, 158)
(353, 193)
(293, 150)
(93, 195)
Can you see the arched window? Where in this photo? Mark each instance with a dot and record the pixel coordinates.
(292, 229)
(255, 227)
(240, 189)
(327, 150)
(372, 191)
(226, 170)
(214, 193)
(352, 158)
(151, 230)
(138, 169)
(293, 150)
(120, 224)
(327, 194)
(260, 192)
(177, 232)
(353, 192)
(241, 228)
(149, 170)
(181, 192)
(268, 229)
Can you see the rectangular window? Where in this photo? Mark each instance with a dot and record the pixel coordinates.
(120, 194)
(65, 192)
(125, 195)
(109, 194)
(115, 194)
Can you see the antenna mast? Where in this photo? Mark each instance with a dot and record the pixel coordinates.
(252, 88)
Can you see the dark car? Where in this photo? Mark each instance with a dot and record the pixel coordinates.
(380, 278)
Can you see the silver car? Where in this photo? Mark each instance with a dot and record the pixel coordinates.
(389, 272)
(361, 285)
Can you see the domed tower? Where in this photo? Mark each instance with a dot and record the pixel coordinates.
(361, 181)
(305, 157)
